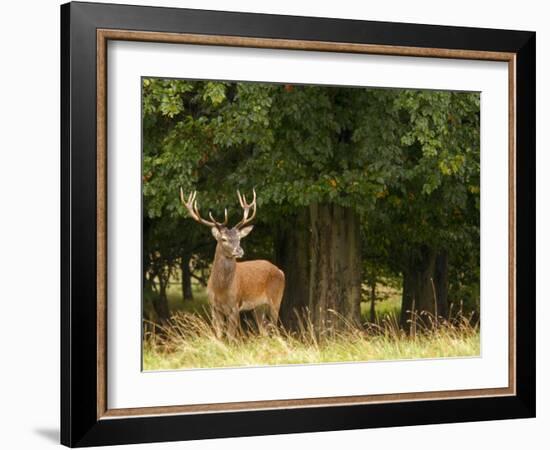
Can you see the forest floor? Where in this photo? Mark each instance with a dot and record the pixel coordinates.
(190, 342)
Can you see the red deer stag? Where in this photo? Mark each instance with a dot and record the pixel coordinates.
(237, 286)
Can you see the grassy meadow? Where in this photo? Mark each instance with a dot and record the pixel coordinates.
(188, 339)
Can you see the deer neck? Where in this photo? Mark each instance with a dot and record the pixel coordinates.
(223, 270)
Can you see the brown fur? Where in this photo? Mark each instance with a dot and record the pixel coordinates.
(241, 286)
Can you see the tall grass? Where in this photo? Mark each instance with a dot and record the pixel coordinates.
(189, 340)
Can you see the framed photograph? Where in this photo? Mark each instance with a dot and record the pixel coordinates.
(277, 224)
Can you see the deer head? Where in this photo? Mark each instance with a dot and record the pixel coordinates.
(229, 239)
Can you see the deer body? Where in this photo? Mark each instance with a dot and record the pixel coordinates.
(238, 286)
(245, 285)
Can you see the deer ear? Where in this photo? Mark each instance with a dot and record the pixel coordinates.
(244, 231)
(216, 233)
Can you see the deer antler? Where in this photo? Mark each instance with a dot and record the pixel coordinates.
(193, 210)
(246, 208)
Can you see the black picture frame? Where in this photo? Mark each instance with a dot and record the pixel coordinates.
(80, 425)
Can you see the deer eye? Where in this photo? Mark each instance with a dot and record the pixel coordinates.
(224, 239)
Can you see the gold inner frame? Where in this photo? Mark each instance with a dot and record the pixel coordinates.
(104, 35)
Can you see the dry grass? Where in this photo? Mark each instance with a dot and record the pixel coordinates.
(188, 340)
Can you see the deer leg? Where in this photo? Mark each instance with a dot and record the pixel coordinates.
(259, 317)
(217, 322)
(275, 297)
(274, 313)
(233, 323)
(274, 307)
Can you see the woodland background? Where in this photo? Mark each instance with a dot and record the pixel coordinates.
(363, 194)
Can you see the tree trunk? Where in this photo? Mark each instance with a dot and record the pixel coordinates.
(425, 287)
(335, 267)
(292, 257)
(441, 281)
(407, 299)
(319, 252)
(160, 301)
(372, 301)
(186, 290)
